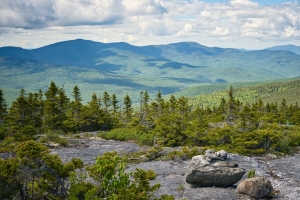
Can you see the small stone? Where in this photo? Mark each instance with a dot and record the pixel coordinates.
(222, 155)
(210, 155)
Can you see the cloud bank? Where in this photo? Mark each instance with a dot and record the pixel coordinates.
(149, 21)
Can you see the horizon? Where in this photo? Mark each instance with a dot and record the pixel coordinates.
(239, 24)
(143, 45)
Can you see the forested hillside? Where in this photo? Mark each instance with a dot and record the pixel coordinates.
(268, 92)
(124, 69)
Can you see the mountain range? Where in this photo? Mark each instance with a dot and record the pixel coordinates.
(289, 47)
(122, 68)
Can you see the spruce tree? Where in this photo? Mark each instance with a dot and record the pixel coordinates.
(55, 107)
(106, 101)
(19, 111)
(3, 107)
(127, 110)
(92, 115)
(114, 104)
(233, 107)
(76, 107)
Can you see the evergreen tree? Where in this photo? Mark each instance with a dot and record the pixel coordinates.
(115, 111)
(76, 107)
(106, 101)
(233, 107)
(157, 107)
(144, 109)
(160, 102)
(35, 103)
(55, 107)
(3, 107)
(127, 110)
(248, 120)
(19, 111)
(197, 127)
(92, 115)
(114, 104)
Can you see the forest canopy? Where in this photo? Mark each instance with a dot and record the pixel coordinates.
(236, 126)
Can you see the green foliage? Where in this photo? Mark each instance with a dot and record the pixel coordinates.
(251, 173)
(112, 182)
(269, 92)
(126, 134)
(34, 173)
(79, 186)
(232, 125)
(54, 137)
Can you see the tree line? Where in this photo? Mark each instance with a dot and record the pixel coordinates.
(169, 122)
(32, 172)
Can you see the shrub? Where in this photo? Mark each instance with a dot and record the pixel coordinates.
(112, 182)
(251, 173)
(53, 137)
(128, 134)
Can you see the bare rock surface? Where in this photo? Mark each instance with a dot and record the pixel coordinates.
(284, 173)
(89, 149)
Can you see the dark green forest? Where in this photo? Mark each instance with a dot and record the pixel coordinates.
(171, 122)
(246, 128)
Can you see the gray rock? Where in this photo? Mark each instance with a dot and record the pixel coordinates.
(222, 155)
(210, 155)
(256, 188)
(202, 172)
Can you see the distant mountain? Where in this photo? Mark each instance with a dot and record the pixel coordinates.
(123, 69)
(291, 48)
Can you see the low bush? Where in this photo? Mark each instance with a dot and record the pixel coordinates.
(127, 134)
(54, 137)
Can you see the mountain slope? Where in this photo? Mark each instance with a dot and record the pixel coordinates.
(291, 48)
(271, 91)
(123, 68)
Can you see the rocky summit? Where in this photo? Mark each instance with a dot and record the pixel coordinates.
(213, 170)
(284, 172)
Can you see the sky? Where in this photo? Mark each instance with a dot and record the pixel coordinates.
(248, 24)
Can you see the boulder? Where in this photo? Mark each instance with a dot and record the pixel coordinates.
(210, 170)
(254, 188)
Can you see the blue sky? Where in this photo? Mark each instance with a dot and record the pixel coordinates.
(249, 24)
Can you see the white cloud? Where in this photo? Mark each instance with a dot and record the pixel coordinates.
(26, 14)
(148, 21)
(219, 31)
